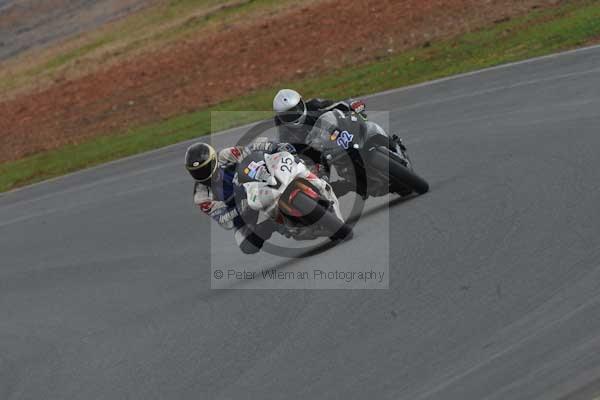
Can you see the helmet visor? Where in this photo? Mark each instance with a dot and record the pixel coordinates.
(293, 114)
(203, 172)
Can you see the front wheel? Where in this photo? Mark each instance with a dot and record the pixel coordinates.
(314, 212)
(400, 176)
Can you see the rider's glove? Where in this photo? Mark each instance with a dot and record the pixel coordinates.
(286, 147)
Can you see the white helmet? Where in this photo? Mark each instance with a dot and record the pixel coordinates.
(289, 107)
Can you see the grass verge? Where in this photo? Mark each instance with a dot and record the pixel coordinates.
(540, 32)
(150, 28)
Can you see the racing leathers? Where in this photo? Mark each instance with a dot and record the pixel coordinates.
(296, 133)
(218, 200)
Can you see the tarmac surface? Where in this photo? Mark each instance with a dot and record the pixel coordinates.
(494, 275)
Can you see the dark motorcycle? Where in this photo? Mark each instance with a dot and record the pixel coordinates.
(363, 154)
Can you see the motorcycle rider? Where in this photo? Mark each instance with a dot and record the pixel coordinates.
(295, 118)
(214, 190)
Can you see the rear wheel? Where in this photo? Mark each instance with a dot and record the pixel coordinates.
(401, 177)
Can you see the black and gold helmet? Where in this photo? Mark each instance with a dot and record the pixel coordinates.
(201, 161)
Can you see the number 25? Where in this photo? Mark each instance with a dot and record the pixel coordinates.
(286, 167)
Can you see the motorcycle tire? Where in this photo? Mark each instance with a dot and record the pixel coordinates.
(314, 212)
(400, 176)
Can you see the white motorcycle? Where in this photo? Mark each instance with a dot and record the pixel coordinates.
(281, 187)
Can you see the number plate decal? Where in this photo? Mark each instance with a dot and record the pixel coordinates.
(345, 139)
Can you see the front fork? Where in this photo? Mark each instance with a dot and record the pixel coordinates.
(397, 146)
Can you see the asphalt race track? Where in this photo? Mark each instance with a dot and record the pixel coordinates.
(494, 289)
